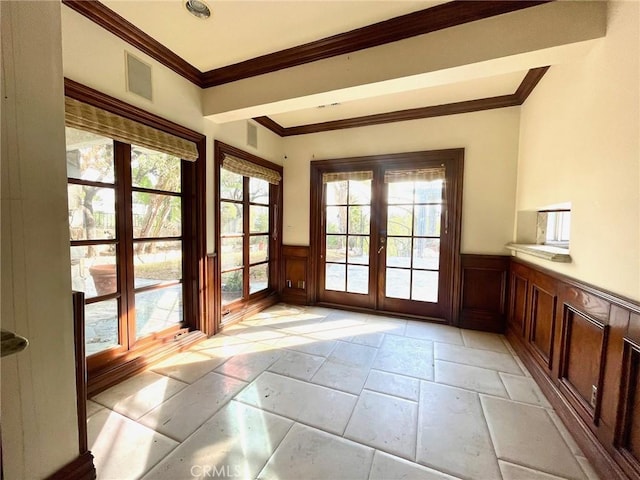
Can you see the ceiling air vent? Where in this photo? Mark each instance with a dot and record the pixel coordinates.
(138, 76)
(252, 135)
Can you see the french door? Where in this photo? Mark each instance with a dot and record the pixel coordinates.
(387, 231)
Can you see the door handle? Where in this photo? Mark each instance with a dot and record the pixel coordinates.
(380, 249)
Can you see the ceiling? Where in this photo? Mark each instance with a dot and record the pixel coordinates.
(243, 32)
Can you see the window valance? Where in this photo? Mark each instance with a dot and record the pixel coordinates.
(96, 120)
(417, 175)
(342, 176)
(250, 169)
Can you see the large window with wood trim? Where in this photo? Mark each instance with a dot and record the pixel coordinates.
(248, 222)
(133, 232)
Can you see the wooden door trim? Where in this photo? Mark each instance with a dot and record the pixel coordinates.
(454, 161)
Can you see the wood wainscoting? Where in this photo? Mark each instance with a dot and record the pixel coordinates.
(295, 274)
(483, 292)
(582, 345)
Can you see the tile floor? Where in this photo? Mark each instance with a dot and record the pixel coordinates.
(311, 393)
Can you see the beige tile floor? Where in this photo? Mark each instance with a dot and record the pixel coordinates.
(312, 393)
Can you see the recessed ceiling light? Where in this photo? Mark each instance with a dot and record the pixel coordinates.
(198, 8)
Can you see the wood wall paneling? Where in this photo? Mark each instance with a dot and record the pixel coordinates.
(295, 274)
(542, 324)
(483, 292)
(584, 342)
(77, 299)
(629, 431)
(82, 468)
(519, 295)
(597, 336)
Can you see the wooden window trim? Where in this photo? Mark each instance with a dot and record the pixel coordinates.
(195, 281)
(237, 310)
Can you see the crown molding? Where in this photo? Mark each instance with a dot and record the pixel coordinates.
(398, 28)
(529, 82)
(527, 85)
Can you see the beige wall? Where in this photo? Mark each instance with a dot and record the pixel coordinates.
(39, 424)
(490, 140)
(579, 143)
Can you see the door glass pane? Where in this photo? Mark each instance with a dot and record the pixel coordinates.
(335, 277)
(93, 270)
(258, 278)
(155, 170)
(258, 219)
(231, 286)
(357, 279)
(336, 219)
(156, 215)
(100, 326)
(89, 156)
(400, 220)
(230, 252)
(158, 309)
(336, 248)
(92, 212)
(400, 192)
(425, 286)
(359, 219)
(398, 252)
(258, 191)
(426, 253)
(429, 192)
(359, 192)
(258, 248)
(231, 218)
(337, 193)
(398, 283)
(427, 220)
(349, 211)
(359, 250)
(231, 185)
(156, 262)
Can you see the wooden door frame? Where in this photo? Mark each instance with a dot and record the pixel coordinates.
(452, 159)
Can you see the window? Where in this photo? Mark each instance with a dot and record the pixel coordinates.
(136, 187)
(125, 224)
(554, 227)
(247, 228)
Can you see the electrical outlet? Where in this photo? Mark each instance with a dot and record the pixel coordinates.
(594, 396)
(288, 283)
(301, 284)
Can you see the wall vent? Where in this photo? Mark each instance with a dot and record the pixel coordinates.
(138, 76)
(252, 135)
